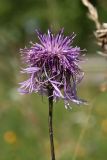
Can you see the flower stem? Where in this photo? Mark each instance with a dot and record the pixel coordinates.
(50, 99)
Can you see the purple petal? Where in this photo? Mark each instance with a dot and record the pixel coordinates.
(30, 70)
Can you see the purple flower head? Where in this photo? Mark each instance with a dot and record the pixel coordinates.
(53, 64)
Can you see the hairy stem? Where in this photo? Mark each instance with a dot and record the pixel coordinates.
(50, 99)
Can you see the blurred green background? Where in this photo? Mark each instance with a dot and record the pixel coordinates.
(80, 134)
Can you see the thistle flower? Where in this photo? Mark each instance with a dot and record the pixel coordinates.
(53, 65)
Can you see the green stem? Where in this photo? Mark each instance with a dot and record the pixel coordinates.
(50, 123)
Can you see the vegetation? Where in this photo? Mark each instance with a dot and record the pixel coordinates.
(80, 134)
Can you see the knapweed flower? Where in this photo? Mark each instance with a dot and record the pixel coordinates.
(53, 64)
